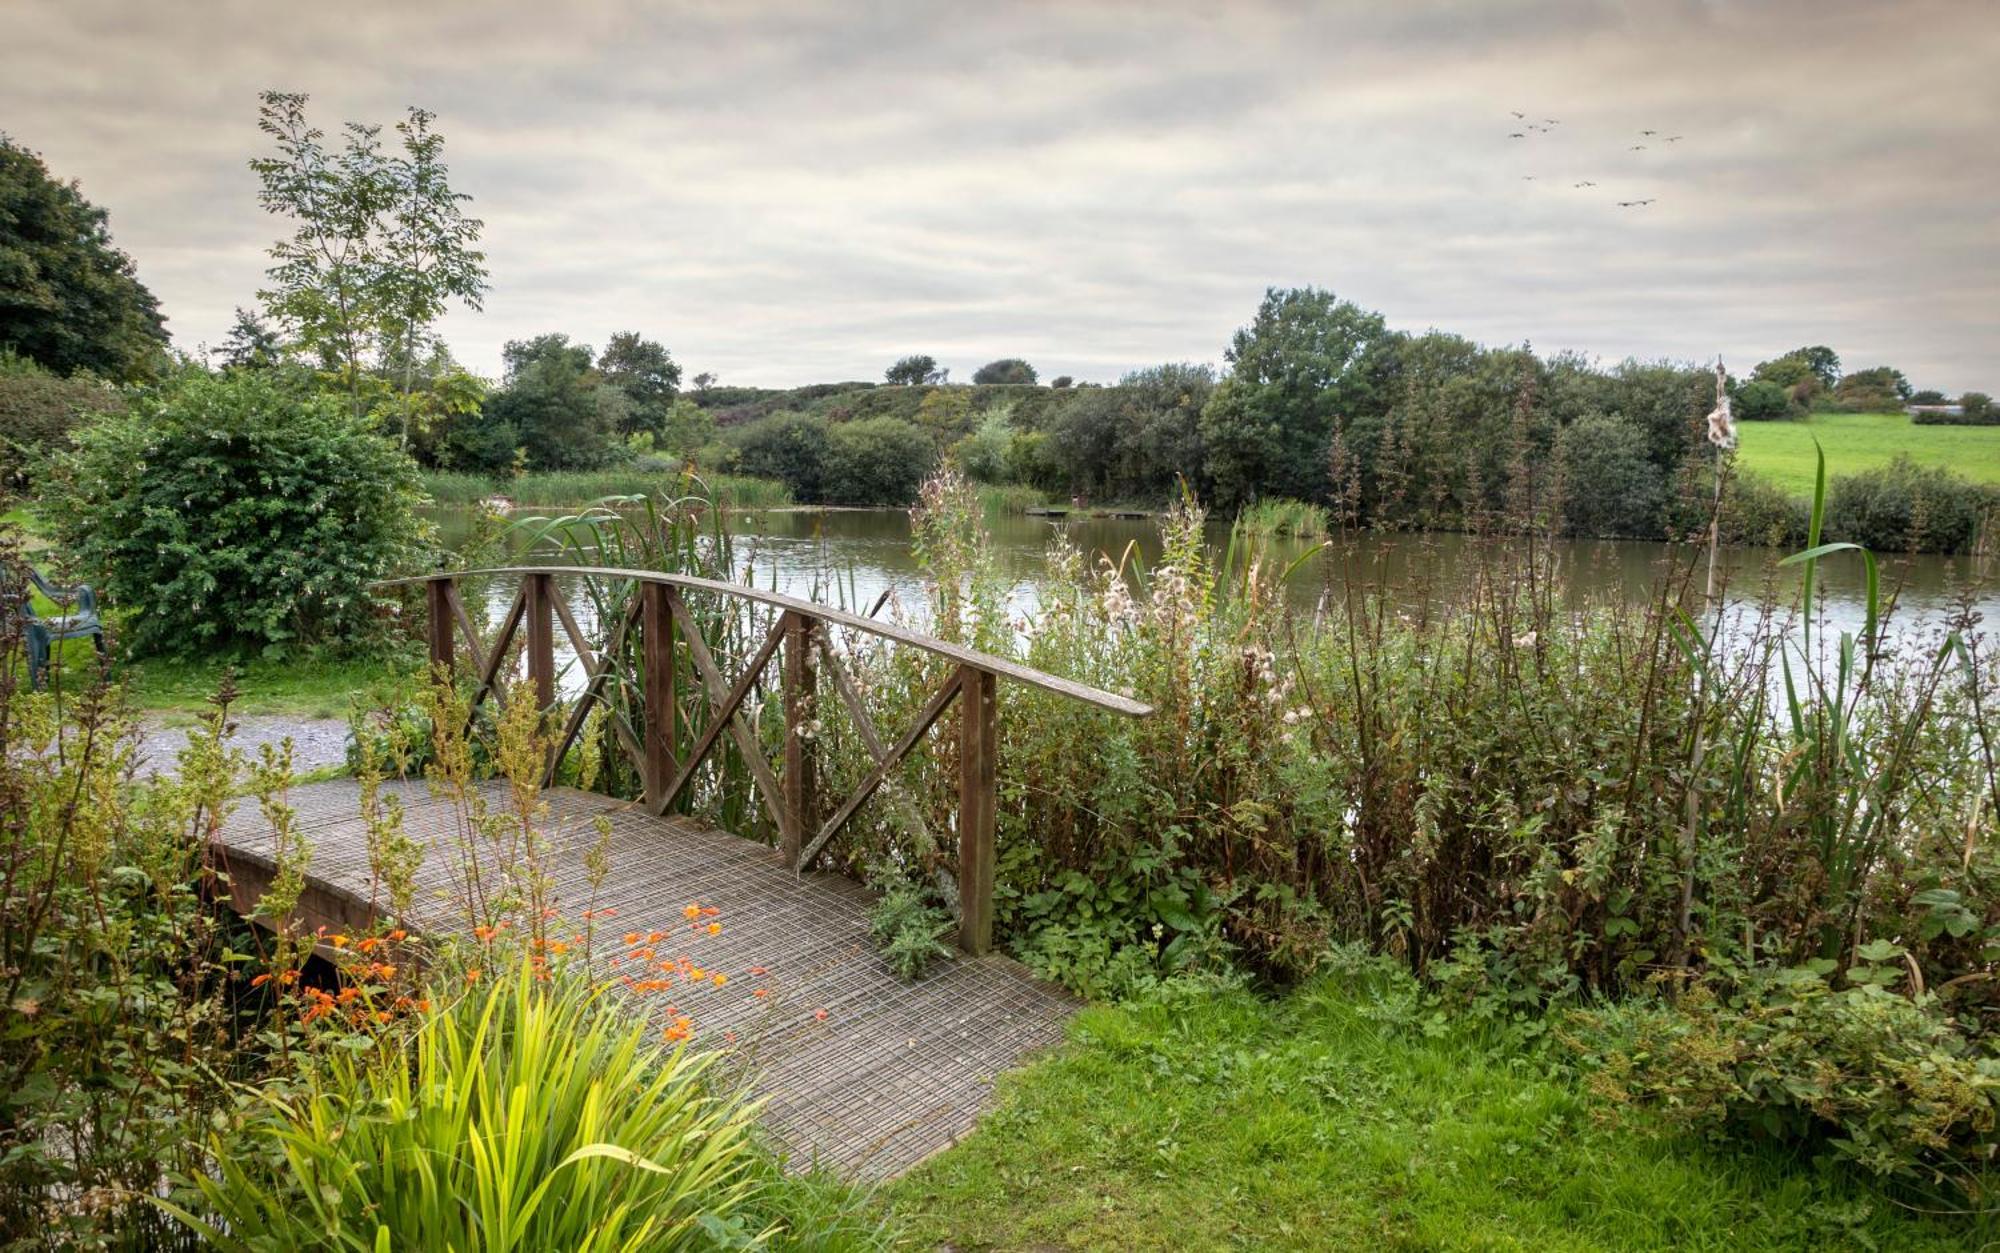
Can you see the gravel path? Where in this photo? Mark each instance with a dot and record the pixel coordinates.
(316, 742)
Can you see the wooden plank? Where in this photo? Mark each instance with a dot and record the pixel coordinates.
(465, 628)
(978, 761)
(939, 701)
(598, 670)
(656, 664)
(489, 678)
(864, 726)
(826, 615)
(723, 705)
(800, 693)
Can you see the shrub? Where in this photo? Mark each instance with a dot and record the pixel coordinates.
(38, 411)
(908, 928)
(532, 1116)
(1885, 1080)
(235, 511)
(1005, 370)
(1763, 402)
(1903, 506)
(1757, 511)
(1975, 409)
(1614, 490)
(877, 461)
(788, 447)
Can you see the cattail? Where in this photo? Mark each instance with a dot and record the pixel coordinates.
(1721, 421)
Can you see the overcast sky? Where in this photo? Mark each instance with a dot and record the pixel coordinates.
(794, 193)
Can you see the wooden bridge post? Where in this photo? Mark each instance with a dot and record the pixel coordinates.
(801, 691)
(978, 769)
(656, 643)
(438, 597)
(538, 591)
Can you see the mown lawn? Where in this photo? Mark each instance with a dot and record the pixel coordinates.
(1783, 451)
(1329, 1120)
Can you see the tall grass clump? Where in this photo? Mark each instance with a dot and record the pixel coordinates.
(529, 1115)
(1279, 517)
(553, 488)
(1010, 498)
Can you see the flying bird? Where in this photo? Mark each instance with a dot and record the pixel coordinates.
(1637, 148)
(1527, 178)
(1517, 113)
(1674, 139)
(1649, 132)
(1585, 183)
(1633, 204)
(1552, 120)
(1516, 135)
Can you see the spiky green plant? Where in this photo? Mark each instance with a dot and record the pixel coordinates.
(526, 1117)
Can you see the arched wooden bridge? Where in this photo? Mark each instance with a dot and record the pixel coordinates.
(858, 1069)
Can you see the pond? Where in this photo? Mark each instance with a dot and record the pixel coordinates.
(850, 557)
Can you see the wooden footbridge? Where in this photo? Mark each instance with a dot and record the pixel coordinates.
(858, 1070)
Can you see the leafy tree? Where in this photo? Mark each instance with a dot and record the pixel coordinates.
(1928, 396)
(689, 427)
(1615, 490)
(1061, 381)
(704, 381)
(1976, 404)
(1135, 440)
(914, 371)
(877, 461)
(1880, 388)
(1824, 363)
(946, 412)
(1268, 427)
(1793, 376)
(239, 510)
(1761, 401)
(39, 410)
(562, 412)
(380, 245)
(1005, 370)
(644, 371)
(789, 447)
(984, 454)
(251, 344)
(69, 300)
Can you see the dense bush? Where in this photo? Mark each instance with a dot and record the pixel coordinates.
(788, 447)
(236, 511)
(1975, 409)
(38, 411)
(1904, 506)
(1876, 1076)
(1757, 511)
(880, 461)
(1764, 402)
(1613, 489)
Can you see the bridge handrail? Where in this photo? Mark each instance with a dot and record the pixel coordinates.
(1001, 666)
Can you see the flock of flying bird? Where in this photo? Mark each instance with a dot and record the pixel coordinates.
(1548, 124)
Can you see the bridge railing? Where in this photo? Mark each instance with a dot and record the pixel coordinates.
(667, 756)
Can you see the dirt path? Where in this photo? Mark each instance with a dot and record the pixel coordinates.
(316, 742)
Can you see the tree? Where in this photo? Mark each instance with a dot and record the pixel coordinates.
(876, 461)
(789, 447)
(1267, 428)
(915, 370)
(644, 371)
(38, 412)
(946, 412)
(1615, 490)
(1976, 404)
(70, 301)
(1005, 370)
(1061, 381)
(1928, 396)
(251, 345)
(1880, 388)
(561, 411)
(688, 428)
(380, 245)
(1824, 363)
(704, 381)
(1761, 401)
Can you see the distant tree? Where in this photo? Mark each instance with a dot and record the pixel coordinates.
(1133, 441)
(1762, 402)
(559, 407)
(644, 371)
(1929, 396)
(1976, 404)
(914, 370)
(1623, 493)
(688, 428)
(1880, 388)
(1005, 370)
(1824, 362)
(789, 447)
(876, 461)
(69, 300)
(251, 345)
(1268, 427)
(380, 246)
(704, 381)
(1061, 381)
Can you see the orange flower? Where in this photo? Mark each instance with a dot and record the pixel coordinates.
(260, 981)
(338, 941)
(631, 937)
(761, 992)
(484, 934)
(654, 937)
(399, 935)
(715, 928)
(819, 1015)
(720, 978)
(369, 945)
(710, 911)
(759, 970)
(472, 976)
(697, 973)
(692, 911)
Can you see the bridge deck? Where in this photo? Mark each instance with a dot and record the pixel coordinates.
(889, 1072)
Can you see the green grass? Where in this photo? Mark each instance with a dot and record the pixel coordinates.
(563, 488)
(1783, 451)
(307, 688)
(1329, 1120)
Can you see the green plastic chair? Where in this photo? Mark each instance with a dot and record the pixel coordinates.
(46, 631)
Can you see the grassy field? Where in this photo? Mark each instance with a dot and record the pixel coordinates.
(562, 488)
(1329, 1119)
(1783, 451)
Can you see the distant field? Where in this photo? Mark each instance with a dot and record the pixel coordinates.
(1783, 451)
